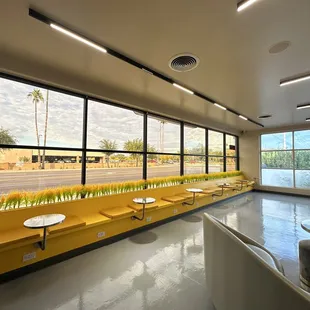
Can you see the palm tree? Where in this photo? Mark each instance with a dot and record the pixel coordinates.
(6, 138)
(36, 97)
(108, 145)
(45, 129)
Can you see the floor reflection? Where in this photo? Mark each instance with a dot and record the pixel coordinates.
(162, 268)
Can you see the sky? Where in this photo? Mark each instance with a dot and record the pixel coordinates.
(65, 122)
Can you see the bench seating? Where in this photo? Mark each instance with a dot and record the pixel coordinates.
(174, 199)
(164, 204)
(117, 212)
(190, 195)
(12, 236)
(210, 191)
(95, 219)
(139, 207)
(70, 222)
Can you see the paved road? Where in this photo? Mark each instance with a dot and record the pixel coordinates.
(35, 180)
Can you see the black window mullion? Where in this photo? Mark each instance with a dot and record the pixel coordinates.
(182, 148)
(224, 152)
(84, 141)
(207, 150)
(145, 146)
(237, 153)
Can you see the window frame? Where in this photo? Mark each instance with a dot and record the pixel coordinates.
(293, 150)
(84, 150)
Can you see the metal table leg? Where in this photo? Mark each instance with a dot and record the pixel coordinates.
(219, 195)
(42, 244)
(190, 203)
(143, 214)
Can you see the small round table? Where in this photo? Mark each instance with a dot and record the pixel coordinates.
(194, 191)
(222, 186)
(142, 201)
(44, 221)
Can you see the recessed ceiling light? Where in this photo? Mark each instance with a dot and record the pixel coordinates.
(303, 106)
(244, 4)
(243, 117)
(308, 119)
(296, 79)
(264, 116)
(78, 38)
(183, 88)
(279, 47)
(220, 106)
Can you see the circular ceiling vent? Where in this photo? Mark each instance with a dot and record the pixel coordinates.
(264, 116)
(279, 47)
(183, 62)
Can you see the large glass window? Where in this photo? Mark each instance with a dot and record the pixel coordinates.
(163, 135)
(36, 116)
(42, 146)
(162, 165)
(285, 159)
(194, 140)
(113, 128)
(20, 169)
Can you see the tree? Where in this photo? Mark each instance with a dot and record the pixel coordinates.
(108, 145)
(135, 145)
(24, 159)
(6, 138)
(45, 129)
(36, 97)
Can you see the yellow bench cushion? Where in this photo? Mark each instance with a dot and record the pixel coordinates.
(209, 191)
(70, 222)
(164, 204)
(117, 212)
(174, 199)
(190, 195)
(139, 207)
(12, 236)
(95, 219)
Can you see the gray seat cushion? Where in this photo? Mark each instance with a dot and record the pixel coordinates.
(264, 255)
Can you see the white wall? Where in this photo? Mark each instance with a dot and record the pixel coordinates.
(250, 157)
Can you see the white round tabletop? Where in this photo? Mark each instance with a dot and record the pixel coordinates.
(306, 225)
(223, 184)
(43, 221)
(243, 181)
(146, 200)
(194, 190)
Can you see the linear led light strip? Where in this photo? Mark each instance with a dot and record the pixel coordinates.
(244, 4)
(56, 26)
(295, 80)
(304, 106)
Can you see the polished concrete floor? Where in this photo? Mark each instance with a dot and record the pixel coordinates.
(162, 268)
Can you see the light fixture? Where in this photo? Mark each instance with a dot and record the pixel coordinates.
(308, 119)
(244, 4)
(243, 117)
(78, 38)
(183, 88)
(55, 25)
(304, 106)
(295, 80)
(220, 106)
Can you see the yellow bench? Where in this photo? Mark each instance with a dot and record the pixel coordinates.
(70, 222)
(139, 207)
(174, 199)
(95, 219)
(13, 236)
(117, 212)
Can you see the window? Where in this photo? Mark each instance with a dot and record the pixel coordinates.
(113, 128)
(194, 164)
(107, 167)
(43, 143)
(162, 165)
(163, 135)
(216, 143)
(36, 116)
(20, 169)
(285, 159)
(194, 140)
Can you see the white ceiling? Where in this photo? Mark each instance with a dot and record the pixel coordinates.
(235, 68)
